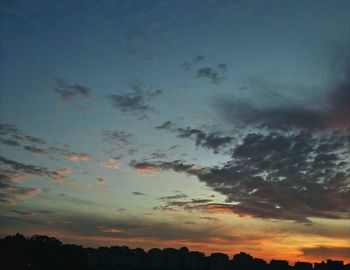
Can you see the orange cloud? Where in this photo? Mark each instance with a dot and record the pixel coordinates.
(18, 177)
(63, 170)
(147, 169)
(111, 163)
(77, 156)
(60, 173)
(110, 230)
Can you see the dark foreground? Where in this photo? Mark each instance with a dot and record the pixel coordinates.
(43, 252)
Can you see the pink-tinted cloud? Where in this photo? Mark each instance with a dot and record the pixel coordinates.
(111, 163)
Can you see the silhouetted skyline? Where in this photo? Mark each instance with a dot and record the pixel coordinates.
(44, 252)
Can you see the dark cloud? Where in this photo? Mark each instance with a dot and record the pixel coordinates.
(15, 134)
(173, 197)
(69, 92)
(8, 129)
(10, 142)
(33, 139)
(12, 131)
(278, 176)
(10, 192)
(31, 213)
(214, 141)
(222, 68)
(199, 58)
(165, 125)
(173, 204)
(136, 101)
(13, 169)
(327, 252)
(186, 66)
(214, 75)
(176, 165)
(101, 181)
(35, 150)
(138, 193)
(118, 137)
(158, 154)
(329, 112)
(130, 103)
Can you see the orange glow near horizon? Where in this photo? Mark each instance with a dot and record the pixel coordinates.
(261, 249)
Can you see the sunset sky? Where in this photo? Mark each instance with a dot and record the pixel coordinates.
(223, 126)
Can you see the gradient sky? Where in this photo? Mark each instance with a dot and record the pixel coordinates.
(223, 126)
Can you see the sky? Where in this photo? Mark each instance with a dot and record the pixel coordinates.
(223, 126)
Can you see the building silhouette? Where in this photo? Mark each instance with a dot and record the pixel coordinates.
(43, 252)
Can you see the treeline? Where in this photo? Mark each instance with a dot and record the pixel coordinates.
(43, 252)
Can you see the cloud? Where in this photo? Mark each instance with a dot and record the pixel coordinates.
(173, 197)
(11, 193)
(136, 101)
(158, 154)
(64, 170)
(101, 181)
(281, 112)
(187, 65)
(14, 134)
(138, 193)
(210, 140)
(130, 103)
(214, 75)
(72, 156)
(165, 125)
(10, 142)
(214, 140)
(30, 213)
(24, 213)
(13, 169)
(111, 163)
(172, 203)
(199, 58)
(176, 165)
(68, 92)
(78, 156)
(322, 252)
(33, 139)
(146, 168)
(35, 150)
(278, 176)
(118, 137)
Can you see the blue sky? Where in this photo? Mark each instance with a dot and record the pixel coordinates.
(165, 112)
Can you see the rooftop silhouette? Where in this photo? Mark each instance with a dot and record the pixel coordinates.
(44, 252)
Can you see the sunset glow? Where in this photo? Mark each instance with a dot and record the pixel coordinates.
(222, 126)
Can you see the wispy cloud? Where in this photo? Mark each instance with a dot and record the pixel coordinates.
(14, 135)
(68, 92)
(136, 101)
(118, 137)
(213, 75)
